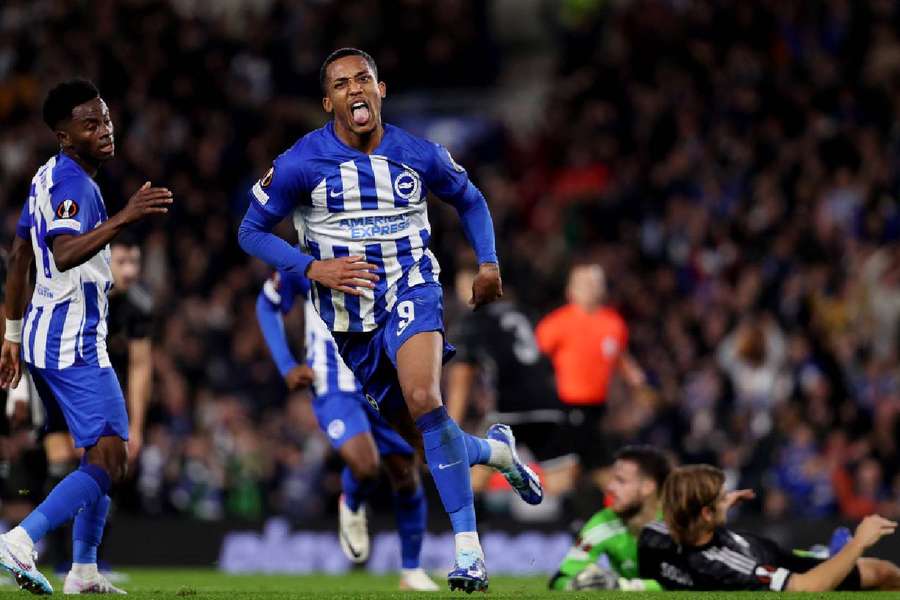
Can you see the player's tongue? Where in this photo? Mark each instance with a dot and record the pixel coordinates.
(360, 114)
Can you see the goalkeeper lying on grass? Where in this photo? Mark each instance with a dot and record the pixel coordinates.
(638, 476)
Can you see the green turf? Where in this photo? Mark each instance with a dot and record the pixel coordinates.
(211, 585)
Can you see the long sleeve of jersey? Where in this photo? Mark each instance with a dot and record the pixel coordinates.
(477, 222)
(256, 238)
(603, 534)
(450, 182)
(268, 313)
(576, 560)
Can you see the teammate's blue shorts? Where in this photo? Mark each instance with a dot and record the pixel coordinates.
(88, 397)
(343, 415)
(372, 356)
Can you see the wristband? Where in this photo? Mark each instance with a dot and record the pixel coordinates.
(13, 331)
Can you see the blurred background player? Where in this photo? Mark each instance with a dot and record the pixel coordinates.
(693, 548)
(588, 344)
(496, 346)
(611, 535)
(62, 336)
(361, 437)
(357, 189)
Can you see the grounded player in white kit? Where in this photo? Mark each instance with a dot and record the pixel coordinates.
(357, 189)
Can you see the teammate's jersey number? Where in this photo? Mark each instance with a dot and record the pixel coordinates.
(524, 346)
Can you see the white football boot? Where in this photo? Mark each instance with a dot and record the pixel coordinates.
(417, 580)
(86, 579)
(353, 531)
(17, 556)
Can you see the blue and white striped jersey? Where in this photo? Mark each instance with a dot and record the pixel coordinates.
(331, 374)
(345, 202)
(65, 323)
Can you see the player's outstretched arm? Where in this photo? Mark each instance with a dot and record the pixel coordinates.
(20, 259)
(72, 250)
(828, 575)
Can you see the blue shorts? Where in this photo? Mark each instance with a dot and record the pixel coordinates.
(372, 356)
(88, 397)
(343, 415)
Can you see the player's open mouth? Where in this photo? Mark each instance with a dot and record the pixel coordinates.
(108, 146)
(360, 112)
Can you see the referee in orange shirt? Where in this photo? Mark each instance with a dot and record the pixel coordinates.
(587, 343)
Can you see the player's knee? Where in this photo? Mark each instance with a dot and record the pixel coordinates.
(112, 456)
(365, 467)
(421, 399)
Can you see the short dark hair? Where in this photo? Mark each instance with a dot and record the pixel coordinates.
(125, 238)
(650, 461)
(64, 97)
(341, 53)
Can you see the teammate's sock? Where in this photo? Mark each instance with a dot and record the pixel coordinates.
(411, 511)
(489, 452)
(78, 490)
(355, 491)
(448, 461)
(56, 544)
(88, 532)
(468, 541)
(84, 571)
(478, 449)
(500, 455)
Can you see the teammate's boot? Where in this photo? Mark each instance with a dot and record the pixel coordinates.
(353, 530)
(469, 574)
(89, 582)
(523, 480)
(839, 539)
(17, 556)
(417, 580)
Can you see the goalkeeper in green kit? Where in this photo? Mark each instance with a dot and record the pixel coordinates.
(638, 475)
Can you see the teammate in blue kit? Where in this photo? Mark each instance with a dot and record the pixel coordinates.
(62, 335)
(361, 437)
(357, 190)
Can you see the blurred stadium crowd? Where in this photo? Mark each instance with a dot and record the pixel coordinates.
(733, 170)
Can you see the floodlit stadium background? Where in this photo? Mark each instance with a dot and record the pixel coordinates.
(731, 165)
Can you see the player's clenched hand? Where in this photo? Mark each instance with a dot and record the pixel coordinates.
(299, 377)
(487, 285)
(872, 529)
(10, 367)
(348, 274)
(146, 201)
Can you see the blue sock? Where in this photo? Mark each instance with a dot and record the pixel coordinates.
(355, 491)
(88, 531)
(80, 489)
(411, 511)
(478, 449)
(448, 461)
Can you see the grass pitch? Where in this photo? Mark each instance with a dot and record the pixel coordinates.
(184, 584)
